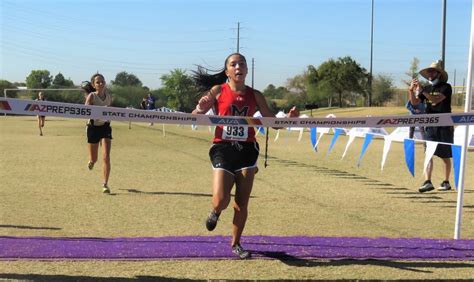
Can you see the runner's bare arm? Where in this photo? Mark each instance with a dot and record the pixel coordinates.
(207, 101)
(89, 99)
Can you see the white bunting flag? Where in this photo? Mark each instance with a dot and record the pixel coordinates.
(322, 131)
(386, 147)
(349, 142)
(300, 135)
(430, 150)
(277, 135)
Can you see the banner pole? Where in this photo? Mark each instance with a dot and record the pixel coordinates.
(467, 108)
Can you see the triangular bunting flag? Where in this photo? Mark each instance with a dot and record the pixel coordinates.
(313, 131)
(277, 135)
(300, 135)
(409, 147)
(456, 149)
(386, 147)
(429, 152)
(368, 139)
(337, 132)
(322, 131)
(349, 142)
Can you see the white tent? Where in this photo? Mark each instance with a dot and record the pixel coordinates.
(280, 114)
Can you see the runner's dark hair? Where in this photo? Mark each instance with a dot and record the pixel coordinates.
(95, 75)
(87, 86)
(205, 81)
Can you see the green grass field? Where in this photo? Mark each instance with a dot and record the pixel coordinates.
(161, 186)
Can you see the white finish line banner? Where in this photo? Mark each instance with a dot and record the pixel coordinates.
(67, 110)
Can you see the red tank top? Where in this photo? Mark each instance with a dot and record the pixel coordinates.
(230, 103)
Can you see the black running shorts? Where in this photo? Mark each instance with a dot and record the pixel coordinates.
(95, 133)
(234, 156)
(441, 134)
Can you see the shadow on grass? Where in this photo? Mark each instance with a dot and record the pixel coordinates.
(66, 278)
(381, 184)
(135, 191)
(464, 207)
(437, 202)
(392, 188)
(411, 265)
(419, 197)
(29, 227)
(331, 172)
(410, 192)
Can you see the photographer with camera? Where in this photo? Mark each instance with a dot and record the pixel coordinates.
(437, 99)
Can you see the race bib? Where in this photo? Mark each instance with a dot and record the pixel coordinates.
(235, 133)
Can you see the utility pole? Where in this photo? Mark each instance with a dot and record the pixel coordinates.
(443, 33)
(253, 65)
(371, 54)
(464, 87)
(238, 36)
(454, 83)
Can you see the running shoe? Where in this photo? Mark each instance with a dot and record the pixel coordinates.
(211, 220)
(445, 186)
(427, 186)
(240, 252)
(90, 165)
(105, 189)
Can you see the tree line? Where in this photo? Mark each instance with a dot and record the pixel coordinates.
(340, 82)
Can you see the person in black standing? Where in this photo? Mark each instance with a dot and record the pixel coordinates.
(437, 98)
(150, 103)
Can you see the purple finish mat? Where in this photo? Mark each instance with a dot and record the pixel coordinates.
(217, 247)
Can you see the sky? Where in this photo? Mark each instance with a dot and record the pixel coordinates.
(150, 38)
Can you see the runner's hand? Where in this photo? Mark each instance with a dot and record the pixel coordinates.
(293, 112)
(205, 103)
